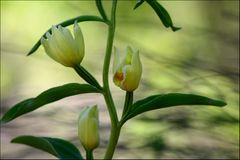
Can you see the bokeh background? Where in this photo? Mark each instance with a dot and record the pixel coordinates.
(202, 58)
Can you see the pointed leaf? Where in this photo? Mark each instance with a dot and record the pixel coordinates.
(139, 3)
(169, 100)
(67, 23)
(48, 96)
(60, 148)
(162, 14)
(101, 9)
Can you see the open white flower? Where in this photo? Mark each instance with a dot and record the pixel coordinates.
(62, 47)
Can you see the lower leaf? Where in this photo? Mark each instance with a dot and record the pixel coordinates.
(58, 147)
(169, 100)
(46, 97)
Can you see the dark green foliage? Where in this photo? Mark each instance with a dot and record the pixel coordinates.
(48, 96)
(169, 100)
(60, 148)
(162, 14)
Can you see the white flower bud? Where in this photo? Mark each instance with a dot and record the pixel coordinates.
(62, 47)
(127, 72)
(88, 128)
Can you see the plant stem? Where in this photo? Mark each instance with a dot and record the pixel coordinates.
(82, 72)
(89, 155)
(115, 129)
(128, 103)
(101, 9)
(115, 132)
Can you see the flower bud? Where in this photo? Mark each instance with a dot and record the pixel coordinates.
(127, 71)
(88, 128)
(62, 47)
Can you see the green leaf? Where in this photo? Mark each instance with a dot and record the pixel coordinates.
(169, 100)
(48, 96)
(82, 72)
(67, 23)
(162, 14)
(101, 9)
(60, 148)
(139, 3)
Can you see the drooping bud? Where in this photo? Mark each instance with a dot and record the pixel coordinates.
(127, 71)
(88, 128)
(62, 47)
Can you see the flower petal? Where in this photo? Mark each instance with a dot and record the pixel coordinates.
(79, 41)
(131, 80)
(116, 60)
(128, 56)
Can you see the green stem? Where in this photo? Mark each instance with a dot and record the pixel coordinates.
(101, 9)
(82, 72)
(115, 129)
(128, 103)
(89, 155)
(113, 140)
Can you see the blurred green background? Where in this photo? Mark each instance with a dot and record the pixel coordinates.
(202, 58)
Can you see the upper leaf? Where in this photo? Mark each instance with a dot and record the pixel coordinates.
(169, 100)
(101, 9)
(162, 14)
(48, 96)
(67, 23)
(60, 148)
(139, 3)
